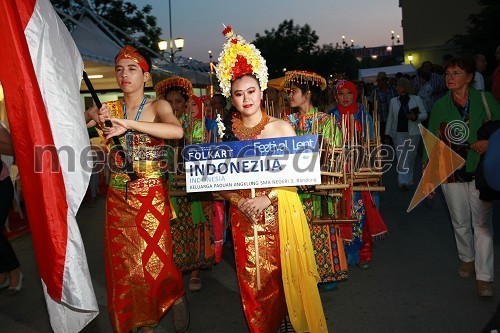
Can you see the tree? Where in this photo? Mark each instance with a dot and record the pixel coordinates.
(336, 61)
(294, 47)
(483, 35)
(290, 46)
(137, 23)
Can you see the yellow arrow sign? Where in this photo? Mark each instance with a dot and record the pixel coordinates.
(443, 162)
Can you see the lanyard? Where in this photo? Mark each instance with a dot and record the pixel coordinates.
(138, 112)
(128, 134)
(465, 116)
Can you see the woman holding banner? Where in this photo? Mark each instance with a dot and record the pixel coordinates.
(274, 257)
(142, 280)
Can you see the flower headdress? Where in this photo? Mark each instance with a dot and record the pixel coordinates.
(304, 77)
(238, 58)
(179, 83)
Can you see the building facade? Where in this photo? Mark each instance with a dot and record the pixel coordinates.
(429, 25)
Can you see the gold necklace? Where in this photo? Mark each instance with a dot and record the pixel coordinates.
(248, 133)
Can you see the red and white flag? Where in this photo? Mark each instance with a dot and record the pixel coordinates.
(40, 73)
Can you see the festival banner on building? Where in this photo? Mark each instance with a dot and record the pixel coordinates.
(261, 163)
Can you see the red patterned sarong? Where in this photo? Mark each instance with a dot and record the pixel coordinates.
(266, 308)
(143, 281)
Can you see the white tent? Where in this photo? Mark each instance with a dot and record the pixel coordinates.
(370, 74)
(98, 47)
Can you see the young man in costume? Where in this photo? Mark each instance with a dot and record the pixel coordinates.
(142, 279)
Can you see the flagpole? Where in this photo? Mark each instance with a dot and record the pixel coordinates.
(129, 169)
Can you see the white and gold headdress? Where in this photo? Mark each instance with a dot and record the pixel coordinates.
(239, 58)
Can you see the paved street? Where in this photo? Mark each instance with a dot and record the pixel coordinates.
(412, 285)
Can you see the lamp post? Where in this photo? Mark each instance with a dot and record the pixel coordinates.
(410, 58)
(344, 42)
(392, 37)
(211, 73)
(163, 45)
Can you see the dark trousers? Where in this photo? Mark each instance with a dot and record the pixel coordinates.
(8, 259)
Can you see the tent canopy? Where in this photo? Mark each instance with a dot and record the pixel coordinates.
(98, 50)
(370, 74)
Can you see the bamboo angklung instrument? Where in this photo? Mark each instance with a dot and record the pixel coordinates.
(256, 244)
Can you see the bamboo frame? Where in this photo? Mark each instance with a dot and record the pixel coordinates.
(334, 221)
(256, 245)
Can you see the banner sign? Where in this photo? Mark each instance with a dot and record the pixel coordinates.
(261, 163)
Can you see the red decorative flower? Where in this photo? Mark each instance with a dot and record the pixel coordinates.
(227, 30)
(241, 67)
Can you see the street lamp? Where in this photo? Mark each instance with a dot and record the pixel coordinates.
(392, 37)
(398, 41)
(163, 45)
(178, 42)
(410, 58)
(344, 43)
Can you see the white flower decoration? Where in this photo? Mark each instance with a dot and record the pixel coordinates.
(220, 125)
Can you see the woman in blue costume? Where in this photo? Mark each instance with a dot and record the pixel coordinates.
(192, 229)
(359, 235)
(305, 90)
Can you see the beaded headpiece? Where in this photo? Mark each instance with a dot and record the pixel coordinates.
(304, 77)
(180, 83)
(129, 52)
(239, 58)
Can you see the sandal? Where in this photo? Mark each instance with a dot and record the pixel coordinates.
(194, 284)
(363, 265)
(180, 316)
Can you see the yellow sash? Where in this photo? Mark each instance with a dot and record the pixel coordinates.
(299, 271)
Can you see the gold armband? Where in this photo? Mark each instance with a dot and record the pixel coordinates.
(235, 199)
(273, 196)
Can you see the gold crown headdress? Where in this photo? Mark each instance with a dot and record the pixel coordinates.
(304, 77)
(238, 58)
(184, 85)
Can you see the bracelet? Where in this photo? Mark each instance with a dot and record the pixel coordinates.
(235, 199)
(273, 196)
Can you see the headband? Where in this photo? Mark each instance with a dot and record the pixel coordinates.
(128, 52)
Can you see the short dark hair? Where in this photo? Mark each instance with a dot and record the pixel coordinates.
(221, 96)
(424, 75)
(180, 90)
(316, 93)
(464, 62)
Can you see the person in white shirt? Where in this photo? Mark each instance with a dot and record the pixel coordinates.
(481, 65)
(405, 113)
